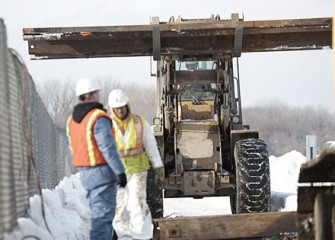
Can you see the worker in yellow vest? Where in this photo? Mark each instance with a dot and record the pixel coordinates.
(138, 149)
(89, 130)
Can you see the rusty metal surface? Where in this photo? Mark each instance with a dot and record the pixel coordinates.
(203, 37)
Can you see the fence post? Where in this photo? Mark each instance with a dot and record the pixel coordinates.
(310, 147)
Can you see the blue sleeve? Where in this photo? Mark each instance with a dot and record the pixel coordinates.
(106, 144)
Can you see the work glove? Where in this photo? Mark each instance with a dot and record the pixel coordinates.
(159, 176)
(122, 180)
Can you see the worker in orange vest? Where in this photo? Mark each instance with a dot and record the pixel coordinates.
(89, 130)
(138, 149)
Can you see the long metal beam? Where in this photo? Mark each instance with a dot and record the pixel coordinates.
(201, 37)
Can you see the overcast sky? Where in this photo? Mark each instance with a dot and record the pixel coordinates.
(296, 78)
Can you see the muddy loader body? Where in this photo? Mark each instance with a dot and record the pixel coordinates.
(206, 149)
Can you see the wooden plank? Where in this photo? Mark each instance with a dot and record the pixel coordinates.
(228, 226)
(203, 37)
(320, 169)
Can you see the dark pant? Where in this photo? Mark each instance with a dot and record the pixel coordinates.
(100, 184)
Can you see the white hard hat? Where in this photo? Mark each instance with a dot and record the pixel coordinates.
(117, 98)
(86, 85)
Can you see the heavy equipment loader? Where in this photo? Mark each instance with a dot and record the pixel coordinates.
(206, 148)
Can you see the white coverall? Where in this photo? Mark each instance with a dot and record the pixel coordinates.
(132, 214)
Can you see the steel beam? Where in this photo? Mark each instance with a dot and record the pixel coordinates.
(181, 39)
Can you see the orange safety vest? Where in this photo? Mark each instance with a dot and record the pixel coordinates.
(84, 148)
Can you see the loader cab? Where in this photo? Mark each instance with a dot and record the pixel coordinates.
(196, 96)
(197, 90)
(195, 65)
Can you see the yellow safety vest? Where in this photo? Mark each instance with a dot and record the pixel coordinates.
(130, 145)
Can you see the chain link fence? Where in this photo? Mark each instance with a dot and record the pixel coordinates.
(34, 153)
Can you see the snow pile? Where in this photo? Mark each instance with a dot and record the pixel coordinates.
(284, 172)
(66, 212)
(329, 144)
(68, 216)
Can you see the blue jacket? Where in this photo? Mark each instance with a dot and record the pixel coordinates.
(106, 143)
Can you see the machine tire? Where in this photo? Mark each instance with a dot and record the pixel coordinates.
(154, 196)
(323, 205)
(253, 191)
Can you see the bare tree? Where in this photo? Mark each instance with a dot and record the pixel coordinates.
(59, 97)
(142, 97)
(284, 127)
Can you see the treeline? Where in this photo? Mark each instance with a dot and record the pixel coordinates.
(283, 127)
(59, 98)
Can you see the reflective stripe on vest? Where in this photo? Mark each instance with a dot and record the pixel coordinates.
(134, 145)
(68, 132)
(90, 146)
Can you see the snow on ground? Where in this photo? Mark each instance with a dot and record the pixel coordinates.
(67, 213)
(176, 207)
